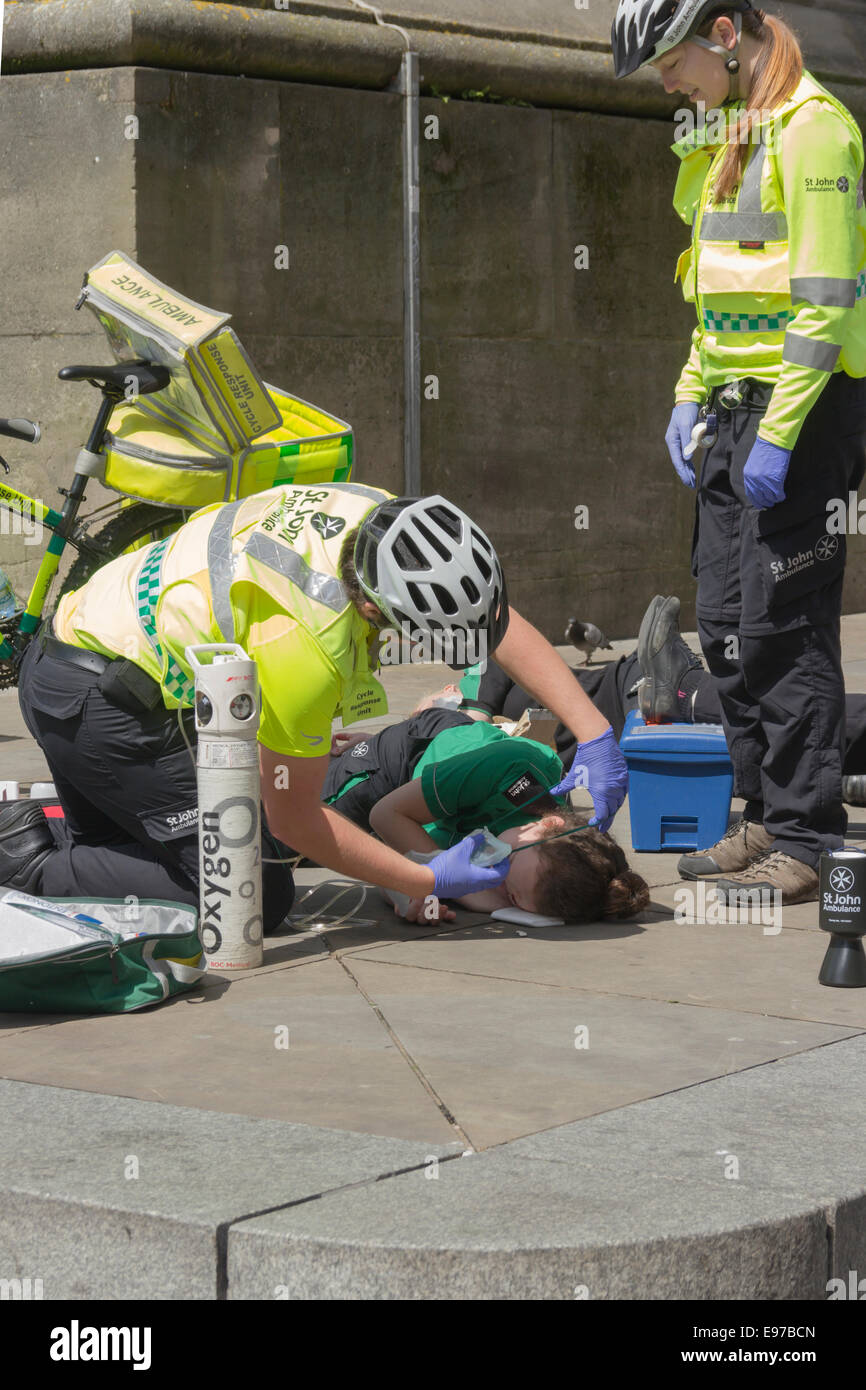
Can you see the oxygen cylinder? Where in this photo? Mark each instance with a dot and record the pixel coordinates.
(227, 707)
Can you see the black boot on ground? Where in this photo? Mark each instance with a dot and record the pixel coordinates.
(25, 841)
(663, 658)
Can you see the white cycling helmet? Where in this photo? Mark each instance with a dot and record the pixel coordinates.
(427, 565)
(643, 30)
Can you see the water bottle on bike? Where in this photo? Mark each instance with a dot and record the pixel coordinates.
(8, 602)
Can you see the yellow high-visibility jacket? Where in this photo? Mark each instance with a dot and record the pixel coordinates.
(777, 272)
(262, 572)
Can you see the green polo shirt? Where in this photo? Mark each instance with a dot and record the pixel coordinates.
(476, 775)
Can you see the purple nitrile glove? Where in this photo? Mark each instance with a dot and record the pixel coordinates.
(679, 434)
(765, 473)
(456, 875)
(599, 766)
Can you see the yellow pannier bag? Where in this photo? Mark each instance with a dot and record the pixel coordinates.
(217, 431)
(149, 459)
(309, 446)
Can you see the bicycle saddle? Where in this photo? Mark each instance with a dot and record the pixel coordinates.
(147, 377)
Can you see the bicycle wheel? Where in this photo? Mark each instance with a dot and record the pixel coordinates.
(133, 527)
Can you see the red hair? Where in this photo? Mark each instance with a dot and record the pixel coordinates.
(777, 75)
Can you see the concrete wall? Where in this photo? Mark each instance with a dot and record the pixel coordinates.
(554, 383)
(69, 196)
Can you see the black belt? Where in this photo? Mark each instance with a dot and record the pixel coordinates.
(121, 681)
(755, 395)
(74, 656)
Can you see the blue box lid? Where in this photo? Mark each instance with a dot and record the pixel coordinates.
(694, 739)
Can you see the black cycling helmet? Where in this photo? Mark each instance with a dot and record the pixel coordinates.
(643, 30)
(427, 565)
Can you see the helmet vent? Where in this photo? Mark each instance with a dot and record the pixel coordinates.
(418, 598)
(483, 565)
(470, 590)
(479, 538)
(431, 539)
(407, 554)
(446, 601)
(445, 518)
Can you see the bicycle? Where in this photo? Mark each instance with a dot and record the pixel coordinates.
(122, 524)
(217, 434)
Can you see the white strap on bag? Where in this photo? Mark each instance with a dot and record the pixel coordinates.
(165, 966)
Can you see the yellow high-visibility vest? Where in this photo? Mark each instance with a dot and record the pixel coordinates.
(262, 572)
(777, 272)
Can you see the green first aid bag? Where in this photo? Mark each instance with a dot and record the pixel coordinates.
(100, 956)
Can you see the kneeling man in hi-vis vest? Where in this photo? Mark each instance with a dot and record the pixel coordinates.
(302, 577)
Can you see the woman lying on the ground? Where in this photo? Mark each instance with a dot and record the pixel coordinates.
(425, 783)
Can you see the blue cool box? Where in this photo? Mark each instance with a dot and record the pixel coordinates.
(680, 784)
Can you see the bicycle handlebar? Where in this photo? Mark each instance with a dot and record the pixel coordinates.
(27, 430)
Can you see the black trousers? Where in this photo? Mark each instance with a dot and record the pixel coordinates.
(608, 686)
(127, 786)
(769, 605)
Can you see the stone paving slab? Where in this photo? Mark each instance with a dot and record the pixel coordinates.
(65, 1164)
(697, 904)
(219, 1052)
(503, 1054)
(726, 967)
(647, 1203)
(800, 1120)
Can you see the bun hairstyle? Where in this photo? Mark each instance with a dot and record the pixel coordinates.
(586, 877)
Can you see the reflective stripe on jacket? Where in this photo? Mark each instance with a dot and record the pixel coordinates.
(778, 270)
(262, 572)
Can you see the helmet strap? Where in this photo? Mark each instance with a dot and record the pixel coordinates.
(732, 62)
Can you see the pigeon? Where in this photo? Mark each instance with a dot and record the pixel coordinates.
(586, 637)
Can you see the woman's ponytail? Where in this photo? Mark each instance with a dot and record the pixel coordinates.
(586, 877)
(776, 76)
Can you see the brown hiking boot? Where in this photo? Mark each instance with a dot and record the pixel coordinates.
(775, 872)
(739, 847)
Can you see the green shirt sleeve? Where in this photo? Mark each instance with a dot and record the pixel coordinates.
(469, 684)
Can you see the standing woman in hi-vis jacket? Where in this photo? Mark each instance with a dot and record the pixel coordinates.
(772, 187)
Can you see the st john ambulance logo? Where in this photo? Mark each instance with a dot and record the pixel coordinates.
(842, 184)
(841, 880)
(826, 547)
(327, 526)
